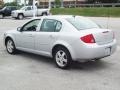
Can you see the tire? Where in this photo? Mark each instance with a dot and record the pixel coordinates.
(10, 46)
(44, 14)
(20, 16)
(62, 57)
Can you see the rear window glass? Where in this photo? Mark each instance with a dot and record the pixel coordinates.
(82, 23)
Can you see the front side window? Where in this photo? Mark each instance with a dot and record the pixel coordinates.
(50, 25)
(8, 8)
(82, 23)
(58, 26)
(28, 8)
(4, 8)
(23, 8)
(31, 26)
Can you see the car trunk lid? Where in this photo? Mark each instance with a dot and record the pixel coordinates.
(101, 36)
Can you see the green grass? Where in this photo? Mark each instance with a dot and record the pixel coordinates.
(97, 12)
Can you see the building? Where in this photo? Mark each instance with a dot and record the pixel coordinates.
(46, 1)
(1, 3)
(65, 2)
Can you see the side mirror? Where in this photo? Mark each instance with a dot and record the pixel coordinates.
(19, 29)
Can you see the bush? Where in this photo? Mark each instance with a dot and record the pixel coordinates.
(94, 11)
(11, 4)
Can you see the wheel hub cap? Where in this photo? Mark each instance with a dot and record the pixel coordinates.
(61, 58)
(10, 46)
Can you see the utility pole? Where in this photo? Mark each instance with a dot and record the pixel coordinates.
(24, 2)
(34, 9)
(62, 3)
(49, 4)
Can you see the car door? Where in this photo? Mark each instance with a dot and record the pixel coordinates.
(28, 12)
(49, 33)
(25, 37)
(7, 11)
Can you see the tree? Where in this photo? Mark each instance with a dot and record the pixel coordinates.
(1, 3)
(90, 1)
(11, 4)
(102, 1)
(109, 1)
(57, 3)
(30, 2)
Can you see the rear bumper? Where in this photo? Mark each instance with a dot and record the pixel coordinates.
(90, 52)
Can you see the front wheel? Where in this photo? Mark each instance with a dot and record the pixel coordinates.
(62, 57)
(10, 46)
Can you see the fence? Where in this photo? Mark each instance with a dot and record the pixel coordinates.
(94, 5)
(73, 5)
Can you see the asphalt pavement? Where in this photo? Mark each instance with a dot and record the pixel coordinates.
(25, 71)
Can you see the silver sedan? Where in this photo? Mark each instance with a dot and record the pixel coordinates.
(63, 37)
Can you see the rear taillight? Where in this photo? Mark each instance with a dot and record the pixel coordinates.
(88, 39)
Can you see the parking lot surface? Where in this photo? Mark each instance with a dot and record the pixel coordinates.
(25, 71)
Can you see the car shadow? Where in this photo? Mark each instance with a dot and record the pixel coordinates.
(86, 66)
(26, 18)
(9, 17)
(91, 65)
(35, 57)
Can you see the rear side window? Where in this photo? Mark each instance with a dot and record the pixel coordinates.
(82, 23)
(50, 25)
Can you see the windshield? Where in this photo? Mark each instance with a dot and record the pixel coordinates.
(4, 8)
(23, 8)
(82, 23)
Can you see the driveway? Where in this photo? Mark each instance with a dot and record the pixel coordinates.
(26, 71)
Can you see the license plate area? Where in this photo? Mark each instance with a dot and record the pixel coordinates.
(107, 51)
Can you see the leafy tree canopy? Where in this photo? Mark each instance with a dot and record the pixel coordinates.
(103, 1)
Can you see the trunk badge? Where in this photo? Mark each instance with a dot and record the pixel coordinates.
(105, 32)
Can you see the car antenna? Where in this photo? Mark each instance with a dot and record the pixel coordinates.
(108, 18)
(74, 16)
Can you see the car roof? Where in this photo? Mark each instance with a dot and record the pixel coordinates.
(58, 17)
(10, 6)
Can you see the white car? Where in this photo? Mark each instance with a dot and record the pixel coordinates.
(63, 37)
(27, 11)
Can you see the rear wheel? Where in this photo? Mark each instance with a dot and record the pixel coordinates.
(62, 57)
(10, 46)
(20, 16)
(44, 14)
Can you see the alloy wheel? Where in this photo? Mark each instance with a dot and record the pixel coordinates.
(61, 58)
(10, 46)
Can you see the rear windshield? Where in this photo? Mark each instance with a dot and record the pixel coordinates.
(82, 23)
